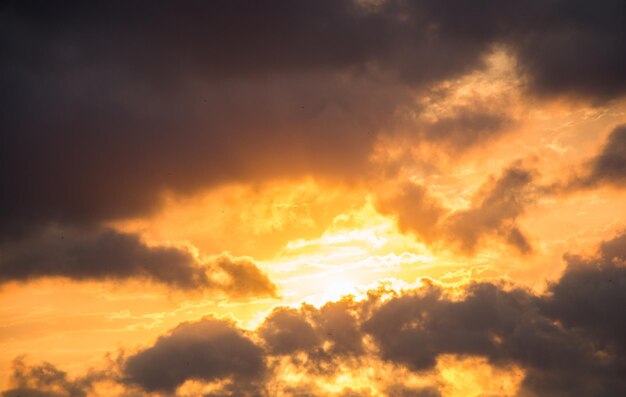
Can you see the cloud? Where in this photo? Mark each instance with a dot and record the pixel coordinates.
(608, 167)
(495, 208)
(329, 331)
(207, 350)
(417, 211)
(466, 126)
(107, 107)
(106, 254)
(590, 292)
(45, 380)
(401, 391)
(568, 340)
(572, 47)
(286, 331)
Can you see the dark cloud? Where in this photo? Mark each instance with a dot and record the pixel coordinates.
(494, 211)
(466, 126)
(207, 350)
(105, 106)
(589, 292)
(572, 47)
(325, 333)
(105, 254)
(45, 380)
(403, 391)
(243, 277)
(287, 331)
(497, 206)
(607, 167)
(568, 340)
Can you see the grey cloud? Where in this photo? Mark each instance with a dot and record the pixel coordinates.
(45, 380)
(590, 292)
(106, 254)
(244, 278)
(569, 341)
(324, 333)
(287, 331)
(466, 126)
(403, 391)
(207, 350)
(608, 166)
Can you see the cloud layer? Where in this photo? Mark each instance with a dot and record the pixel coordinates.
(567, 340)
(108, 106)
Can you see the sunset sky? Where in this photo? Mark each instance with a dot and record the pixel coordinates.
(350, 198)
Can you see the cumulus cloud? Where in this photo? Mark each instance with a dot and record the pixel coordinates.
(207, 350)
(287, 331)
(106, 254)
(324, 333)
(569, 340)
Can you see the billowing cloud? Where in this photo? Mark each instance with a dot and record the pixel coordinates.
(105, 254)
(107, 107)
(207, 350)
(569, 340)
(329, 331)
(286, 331)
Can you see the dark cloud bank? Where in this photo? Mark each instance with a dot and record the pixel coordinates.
(569, 340)
(105, 254)
(105, 105)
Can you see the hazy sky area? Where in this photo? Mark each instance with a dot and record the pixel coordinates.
(311, 198)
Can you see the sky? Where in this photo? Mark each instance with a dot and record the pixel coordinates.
(350, 198)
